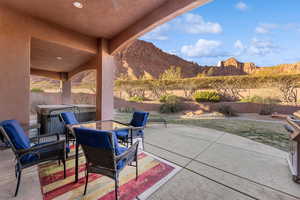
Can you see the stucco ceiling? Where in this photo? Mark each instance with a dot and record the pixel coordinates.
(54, 57)
(97, 18)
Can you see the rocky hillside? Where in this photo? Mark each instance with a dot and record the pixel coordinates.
(144, 58)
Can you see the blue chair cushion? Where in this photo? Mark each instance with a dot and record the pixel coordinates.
(97, 139)
(122, 134)
(139, 119)
(69, 118)
(16, 134)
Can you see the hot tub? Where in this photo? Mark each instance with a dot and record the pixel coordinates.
(48, 116)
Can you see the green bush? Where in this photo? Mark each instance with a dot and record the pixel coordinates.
(252, 99)
(171, 104)
(245, 82)
(163, 98)
(261, 100)
(136, 99)
(37, 90)
(227, 110)
(170, 98)
(207, 96)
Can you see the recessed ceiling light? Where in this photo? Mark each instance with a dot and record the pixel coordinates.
(59, 58)
(77, 4)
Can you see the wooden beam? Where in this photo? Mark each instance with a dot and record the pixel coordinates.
(48, 74)
(90, 65)
(169, 10)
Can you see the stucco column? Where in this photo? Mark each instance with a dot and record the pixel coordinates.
(14, 68)
(66, 91)
(105, 66)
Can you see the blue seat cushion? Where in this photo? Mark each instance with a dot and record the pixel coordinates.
(139, 119)
(69, 118)
(122, 134)
(16, 134)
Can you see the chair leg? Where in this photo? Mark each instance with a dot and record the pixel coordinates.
(59, 162)
(64, 163)
(86, 181)
(143, 143)
(18, 184)
(136, 169)
(117, 188)
(16, 171)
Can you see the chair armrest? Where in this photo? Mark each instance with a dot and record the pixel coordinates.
(137, 128)
(130, 154)
(60, 143)
(37, 138)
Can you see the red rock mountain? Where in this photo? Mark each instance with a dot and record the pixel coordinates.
(144, 58)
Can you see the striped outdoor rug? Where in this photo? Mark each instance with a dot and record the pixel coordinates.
(152, 173)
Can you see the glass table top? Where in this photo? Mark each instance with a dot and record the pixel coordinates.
(103, 125)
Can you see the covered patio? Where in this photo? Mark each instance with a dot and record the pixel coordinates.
(212, 165)
(59, 39)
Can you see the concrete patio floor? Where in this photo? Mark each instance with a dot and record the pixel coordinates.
(218, 165)
(215, 165)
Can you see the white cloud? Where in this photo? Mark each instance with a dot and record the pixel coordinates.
(239, 45)
(159, 33)
(265, 28)
(203, 48)
(242, 6)
(195, 24)
(261, 47)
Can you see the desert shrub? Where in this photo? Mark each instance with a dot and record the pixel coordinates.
(136, 99)
(172, 104)
(252, 99)
(126, 110)
(173, 73)
(235, 82)
(163, 98)
(37, 90)
(288, 89)
(170, 98)
(259, 99)
(227, 110)
(207, 96)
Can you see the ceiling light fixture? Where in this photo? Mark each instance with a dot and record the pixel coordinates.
(59, 58)
(77, 4)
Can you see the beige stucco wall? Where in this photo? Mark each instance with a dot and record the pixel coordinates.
(15, 68)
(16, 30)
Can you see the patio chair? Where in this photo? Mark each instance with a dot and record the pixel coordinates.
(104, 155)
(138, 122)
(28, 155)
(68, 118)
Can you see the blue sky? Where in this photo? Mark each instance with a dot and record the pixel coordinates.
(266, 32)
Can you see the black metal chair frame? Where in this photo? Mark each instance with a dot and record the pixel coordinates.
(59, 155)
(105, 162)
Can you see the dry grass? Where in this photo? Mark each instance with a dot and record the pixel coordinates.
(269, 133)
